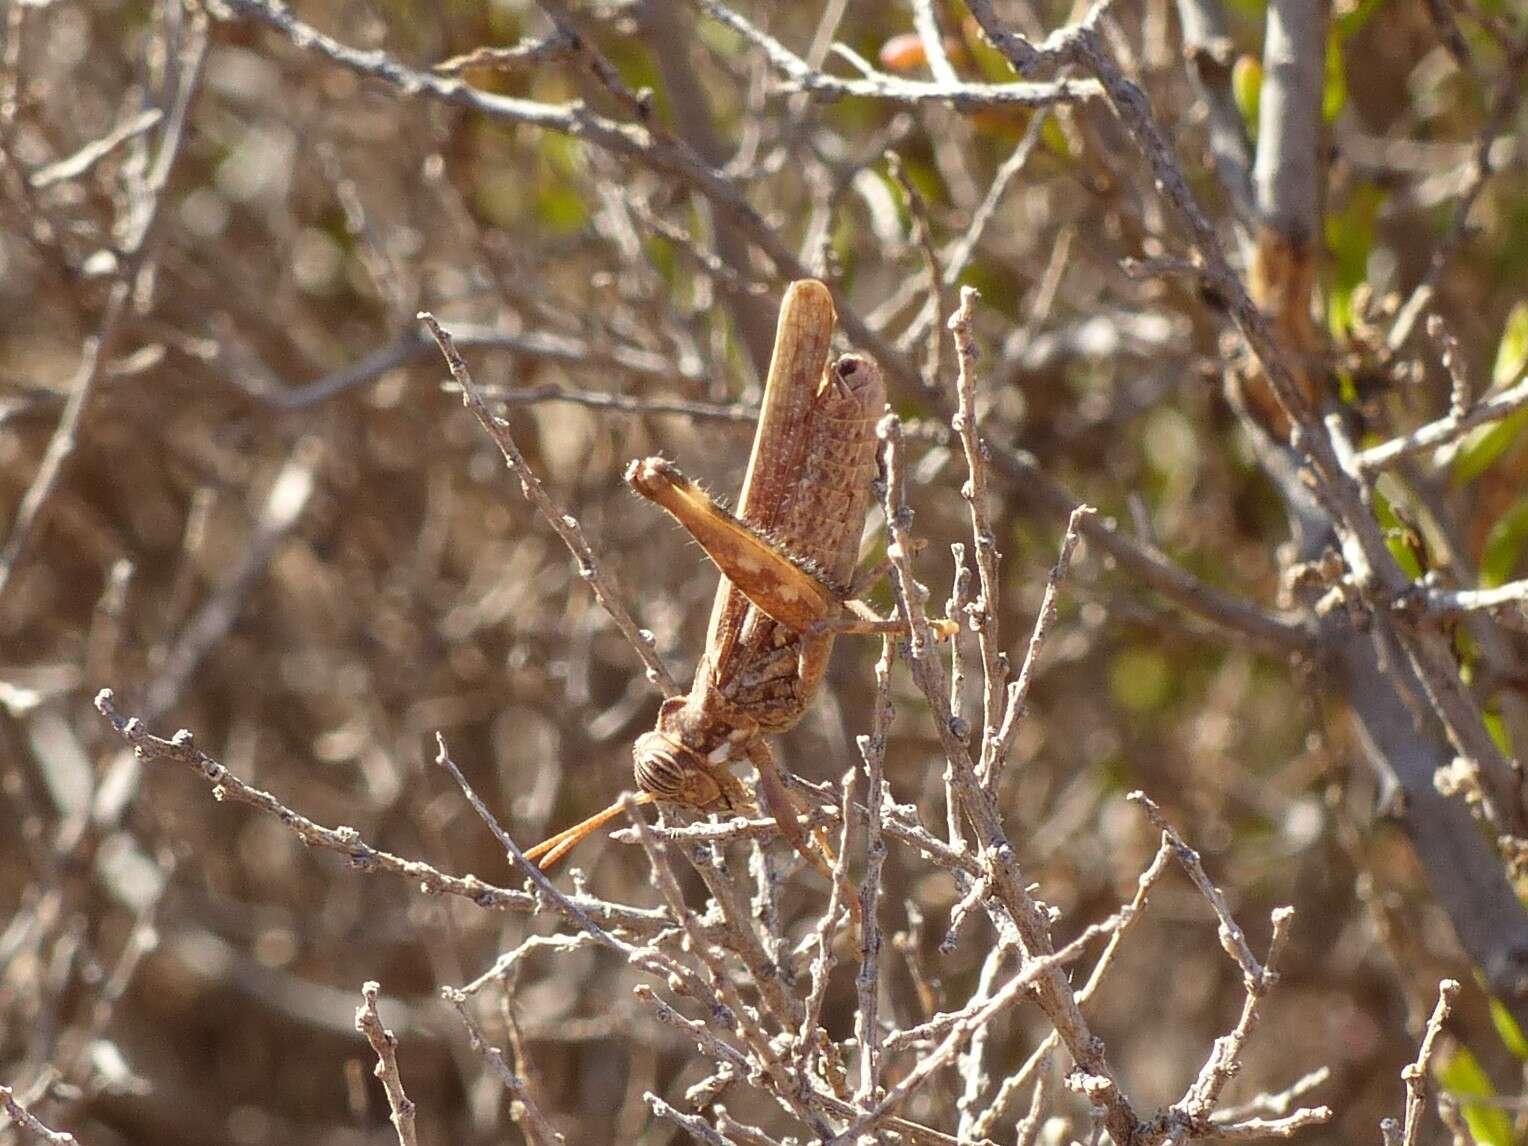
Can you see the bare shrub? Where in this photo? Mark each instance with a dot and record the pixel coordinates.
(1175, 840)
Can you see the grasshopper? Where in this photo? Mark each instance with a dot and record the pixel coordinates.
(787, 556)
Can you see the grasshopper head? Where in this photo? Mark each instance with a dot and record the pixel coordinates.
(667, 769)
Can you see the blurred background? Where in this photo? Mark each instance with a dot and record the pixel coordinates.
(279, 528)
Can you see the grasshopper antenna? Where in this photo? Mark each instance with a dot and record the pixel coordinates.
(551, 851)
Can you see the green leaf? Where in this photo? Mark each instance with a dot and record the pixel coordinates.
(991, 64)
(1053, 135)
(1512, 351)
(1506, 1027)
(1349, 22)
(1334, 92)
(1485, 444)
(1504, 546)
(1349, 238)
(1404, 557)
(1461, 1074)
(560, 208)
(1247, 91)
(1347, 386)
(1141, 679)
(1498, 8)
(1496, 727)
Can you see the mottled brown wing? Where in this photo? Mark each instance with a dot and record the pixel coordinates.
(824, 509)
(807, 487)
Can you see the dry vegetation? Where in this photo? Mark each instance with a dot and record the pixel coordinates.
(239, 489)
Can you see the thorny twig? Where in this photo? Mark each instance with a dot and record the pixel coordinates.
(967, 1025)
(1481, 168)
(1012, 908)
(923, 239)
(1334, 476)
(1440, 604)
(1231, 937)
(647, 958)
(1197, 1107)
(832, 917)
(987, 868)
(998, 1107)
(538, 344)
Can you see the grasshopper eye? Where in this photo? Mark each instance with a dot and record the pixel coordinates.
(854, 375)
(668, 771)
(657, 767)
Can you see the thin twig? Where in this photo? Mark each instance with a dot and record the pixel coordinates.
(565, 524)
(29, 1121)
(1012, 908)
(964, 96)
(692, 1124)
(1018, 692)
(1147, 880)
(348, 842)
(927, 24)
(557, 46)
(1334, 478)
(1027, 479)
(982, 614)
(960, 251)
(1481, 167)
(525, 1109)
(1415, 1073)
(83, 160)
(385, 1045)
(282, 510)
(1461, 394)
(923, 238)
(1450, 604)
(1231, 935)
(740, 1017)
(645, 958)
(811, 1035)
(1453, 426)
(1225, 1059)
(867, 983)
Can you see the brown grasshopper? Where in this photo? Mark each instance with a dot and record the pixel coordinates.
(788, 556)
